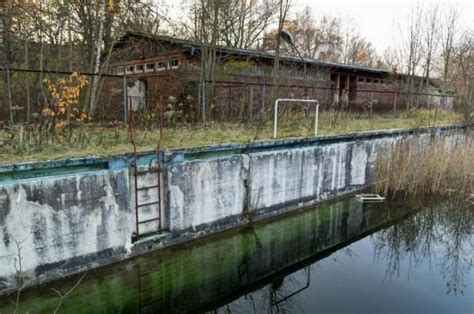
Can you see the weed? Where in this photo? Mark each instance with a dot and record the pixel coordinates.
(437, 168)
(26, 143)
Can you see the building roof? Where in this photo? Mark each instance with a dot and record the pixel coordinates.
(195, 47)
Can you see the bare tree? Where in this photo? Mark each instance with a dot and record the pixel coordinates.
(430, 39)
(318, 38)
(461, 75)
(411, 52)
(244, 22)
(357, 50)
(448, 32)
(284, 7)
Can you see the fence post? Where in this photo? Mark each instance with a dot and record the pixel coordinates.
(371, 104)
(203, 101)
(125, 100)
(395, 105)
(10, 105)
(250, 108)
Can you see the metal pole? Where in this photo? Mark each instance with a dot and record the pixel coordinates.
(304, 69)
(316, 119)
(125, 100)
(10, 104)
(275, 119)
(203, 105)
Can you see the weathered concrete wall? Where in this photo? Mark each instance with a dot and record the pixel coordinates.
(62, 223)
(204, 191)
(78, 214)
(185, 279)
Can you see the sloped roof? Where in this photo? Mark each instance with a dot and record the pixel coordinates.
(253, 53)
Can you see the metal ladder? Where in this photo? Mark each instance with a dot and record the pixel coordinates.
(137, 173)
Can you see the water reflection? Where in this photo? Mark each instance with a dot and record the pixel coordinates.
(437, 240)
(341, 257)
(441, 236)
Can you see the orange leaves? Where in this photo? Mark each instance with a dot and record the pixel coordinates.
(48, 112)
(65, 100)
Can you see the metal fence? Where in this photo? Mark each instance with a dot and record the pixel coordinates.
(245, 100)
(25, 93)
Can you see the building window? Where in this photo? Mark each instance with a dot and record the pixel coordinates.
(161, 66)
(369, 80)
(120, 70)
(361, 79)
(129, 69)
(174, 64)
(138, 68)
(149, 67)
(376, 81)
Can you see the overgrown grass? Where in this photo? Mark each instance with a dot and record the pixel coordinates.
(97, 140)
(440, 168)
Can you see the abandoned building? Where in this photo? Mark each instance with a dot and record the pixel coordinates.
(162, 66)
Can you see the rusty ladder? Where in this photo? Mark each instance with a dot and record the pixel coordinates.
(137, 173)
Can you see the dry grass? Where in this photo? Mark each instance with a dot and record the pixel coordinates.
(438, 168)
(96, 140)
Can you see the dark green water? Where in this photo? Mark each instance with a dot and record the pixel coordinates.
(344, 257)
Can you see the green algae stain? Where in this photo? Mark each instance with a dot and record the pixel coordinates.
(174, 279)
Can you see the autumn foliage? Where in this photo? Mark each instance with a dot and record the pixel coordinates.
(63, 108)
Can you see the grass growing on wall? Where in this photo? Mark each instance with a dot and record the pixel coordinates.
(95, 140)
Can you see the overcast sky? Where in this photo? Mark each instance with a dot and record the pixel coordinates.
(379, 20)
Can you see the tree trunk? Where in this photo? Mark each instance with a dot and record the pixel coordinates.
(98, 52)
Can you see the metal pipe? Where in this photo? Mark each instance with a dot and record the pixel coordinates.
(275, 115)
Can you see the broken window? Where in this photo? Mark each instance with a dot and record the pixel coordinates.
(174, 64)
(138, 68)
(376, 81)
(129, 69)
(369, 80)
(161, 66)
(149, 67)
(361, 79)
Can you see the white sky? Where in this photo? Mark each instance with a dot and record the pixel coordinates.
(379, 20)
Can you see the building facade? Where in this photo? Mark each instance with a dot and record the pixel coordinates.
(158, 68)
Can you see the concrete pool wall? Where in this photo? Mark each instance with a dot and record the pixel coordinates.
(62, 217)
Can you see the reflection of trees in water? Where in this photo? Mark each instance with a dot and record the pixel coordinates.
(441, 236)
(278, 297)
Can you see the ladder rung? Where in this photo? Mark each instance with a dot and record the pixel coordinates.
(148, 204)
(148, 220)
(148, 187)
(139, 173)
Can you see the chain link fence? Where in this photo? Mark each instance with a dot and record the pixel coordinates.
(26, 93)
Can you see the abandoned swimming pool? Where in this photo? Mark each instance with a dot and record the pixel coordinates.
(339, 257)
